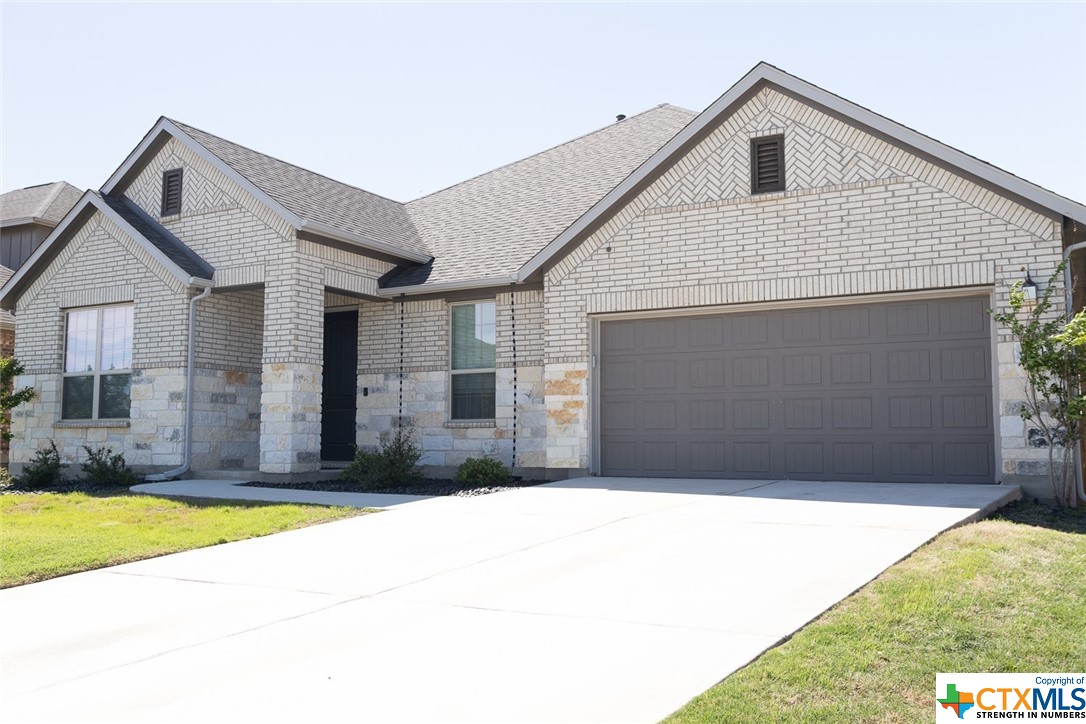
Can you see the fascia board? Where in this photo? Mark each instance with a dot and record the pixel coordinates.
(26, 220)
(321, 229)
(437, 287)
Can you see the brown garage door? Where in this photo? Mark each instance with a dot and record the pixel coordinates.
(897, 391)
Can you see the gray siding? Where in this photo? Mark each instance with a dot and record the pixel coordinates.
(17, 243)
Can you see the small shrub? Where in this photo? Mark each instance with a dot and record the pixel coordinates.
(6, 481)
(364, 469)
(483, 472)
(44, 470)
(400, 459)
(105, 469)
(394, 465)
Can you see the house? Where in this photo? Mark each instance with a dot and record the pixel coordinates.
(785, 285)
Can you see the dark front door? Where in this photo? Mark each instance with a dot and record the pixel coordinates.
(339, 398)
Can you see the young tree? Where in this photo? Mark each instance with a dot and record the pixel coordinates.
(1052, 353)
(10, 398)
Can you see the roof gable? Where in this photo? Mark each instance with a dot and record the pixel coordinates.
(307, 201)
(180, 261)
(764, 75)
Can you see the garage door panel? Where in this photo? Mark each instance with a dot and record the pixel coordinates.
(908, 320)
(963, 364)
(853, 458)
(752, 458)
(852, 413)
(895, 392)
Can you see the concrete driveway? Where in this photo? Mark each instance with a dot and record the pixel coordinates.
(598, 599)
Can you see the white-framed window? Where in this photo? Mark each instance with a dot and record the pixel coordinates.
(97, 363)
(472, 361)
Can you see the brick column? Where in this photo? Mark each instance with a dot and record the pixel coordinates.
(290, 397)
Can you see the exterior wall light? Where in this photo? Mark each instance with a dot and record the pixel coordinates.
(1029, 288)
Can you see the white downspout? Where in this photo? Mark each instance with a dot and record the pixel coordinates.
(189, 381)
(1068, 311)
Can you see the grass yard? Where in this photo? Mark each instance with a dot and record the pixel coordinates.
(52, 534)
(1006, 594)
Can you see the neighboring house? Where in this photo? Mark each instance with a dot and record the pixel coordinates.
(785, 285)
(27, 216)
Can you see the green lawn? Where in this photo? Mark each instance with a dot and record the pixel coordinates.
(53, 534)
(1006, 594)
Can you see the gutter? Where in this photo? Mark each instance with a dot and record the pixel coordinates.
(322, 229)
(190, 376)
(27, 220)
(476, 283)
(1068, 313)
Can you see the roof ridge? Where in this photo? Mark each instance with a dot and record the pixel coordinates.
(276, 158)
(547, 150)
(47, 201)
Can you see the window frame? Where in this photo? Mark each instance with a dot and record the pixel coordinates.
(472, 371)
(781, 185)
(172, 210)
(97, 373)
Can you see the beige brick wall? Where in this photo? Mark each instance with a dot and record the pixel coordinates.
(426, 381)
(859, 216)
(219, 220)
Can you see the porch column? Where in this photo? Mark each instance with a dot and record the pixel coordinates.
(290, 396)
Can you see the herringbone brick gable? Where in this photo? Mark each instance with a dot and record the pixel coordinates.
(812, 159)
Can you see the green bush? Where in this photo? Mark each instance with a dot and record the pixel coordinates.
(401, 459)
(395, 465)
(43, 471)
(364, 469)
(105, 469)
(483, 472)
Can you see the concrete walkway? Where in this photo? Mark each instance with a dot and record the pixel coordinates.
(590, 600)
(234, 490)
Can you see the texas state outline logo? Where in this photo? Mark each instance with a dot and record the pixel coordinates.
(973, 696)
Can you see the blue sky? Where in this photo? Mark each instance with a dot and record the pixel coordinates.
(405, 99)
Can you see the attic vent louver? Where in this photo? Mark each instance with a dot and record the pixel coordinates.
(767, 164)
(171, 192)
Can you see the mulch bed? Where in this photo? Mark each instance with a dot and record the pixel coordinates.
(429, 487)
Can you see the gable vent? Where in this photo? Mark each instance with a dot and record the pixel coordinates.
(171, 192)
(767, 164)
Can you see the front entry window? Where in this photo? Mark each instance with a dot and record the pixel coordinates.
(98, 364)
(473, 361)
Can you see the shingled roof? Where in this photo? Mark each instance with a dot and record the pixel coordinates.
(487, 226)
(492, 224)
(158, 236)
(315, 197)
(44, 204)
